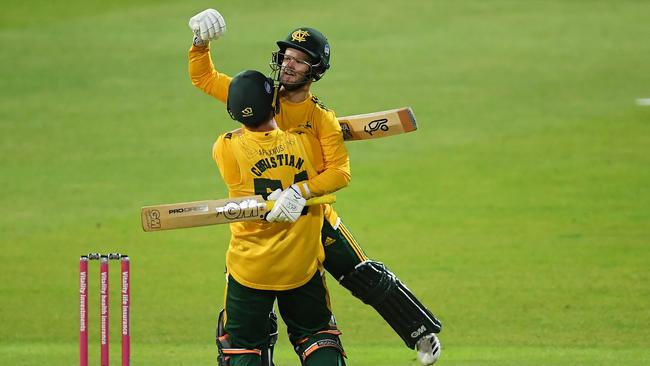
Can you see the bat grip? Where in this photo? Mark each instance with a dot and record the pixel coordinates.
(321, 200)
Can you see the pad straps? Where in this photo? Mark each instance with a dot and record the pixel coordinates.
(323, 339)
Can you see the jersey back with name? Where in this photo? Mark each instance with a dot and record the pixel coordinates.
(262, 255)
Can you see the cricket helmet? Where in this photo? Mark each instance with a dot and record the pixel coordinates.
(313, 43)
(251, 98)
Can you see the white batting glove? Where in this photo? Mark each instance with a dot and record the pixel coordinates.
(207, 26)
(288, 206)
(274, 195)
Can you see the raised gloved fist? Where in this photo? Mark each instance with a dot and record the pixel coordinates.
(207, 26)
(288, 205)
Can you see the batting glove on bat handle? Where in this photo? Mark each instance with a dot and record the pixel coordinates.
(207, 26)
(321, 200)
(288, 206)
(274, 195)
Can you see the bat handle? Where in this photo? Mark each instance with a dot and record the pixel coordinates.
(321, 200)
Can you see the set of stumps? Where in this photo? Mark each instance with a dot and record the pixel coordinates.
(104, 305)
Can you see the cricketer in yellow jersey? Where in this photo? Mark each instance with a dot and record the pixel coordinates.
(272, 260)
(263, 255)
(303, 58)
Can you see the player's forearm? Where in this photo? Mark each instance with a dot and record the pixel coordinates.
(204, 76)
(331, 180)
(335, 173)
(200, 65)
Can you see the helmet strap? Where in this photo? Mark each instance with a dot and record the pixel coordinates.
(275, 105)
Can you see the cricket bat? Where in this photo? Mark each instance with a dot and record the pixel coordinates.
(378, 124)
(212, 212)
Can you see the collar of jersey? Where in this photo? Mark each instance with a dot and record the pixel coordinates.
(287, 101)
(265, 135)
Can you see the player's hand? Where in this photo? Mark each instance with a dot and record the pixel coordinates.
(288, 205)
(207, 26)
(274, 195)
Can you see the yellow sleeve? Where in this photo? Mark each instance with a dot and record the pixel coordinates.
(204, 76)
(336, 162)
(226, 162)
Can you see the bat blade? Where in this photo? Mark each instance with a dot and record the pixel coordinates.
(378, 124)
(211, 212)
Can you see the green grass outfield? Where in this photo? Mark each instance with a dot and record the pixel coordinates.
(519, 211)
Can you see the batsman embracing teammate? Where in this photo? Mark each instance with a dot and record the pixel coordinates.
(303, 58)
(269, 261)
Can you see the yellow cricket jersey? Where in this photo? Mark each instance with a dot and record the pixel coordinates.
(308, 116)
(262, 255)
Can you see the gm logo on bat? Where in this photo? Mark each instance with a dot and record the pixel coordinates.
(154, 219)
(375, 125)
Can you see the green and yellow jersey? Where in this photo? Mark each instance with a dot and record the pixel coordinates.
(308, 116)
(263, 255)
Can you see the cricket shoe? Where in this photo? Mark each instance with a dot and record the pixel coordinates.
(428, 348)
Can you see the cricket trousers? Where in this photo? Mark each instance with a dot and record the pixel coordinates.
(305, 310)
(342, 253)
